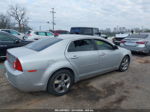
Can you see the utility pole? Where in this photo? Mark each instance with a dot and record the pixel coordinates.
(53, 18)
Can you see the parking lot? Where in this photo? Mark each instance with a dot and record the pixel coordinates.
(112, 90)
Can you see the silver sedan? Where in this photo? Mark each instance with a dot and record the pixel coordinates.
(54, 64)
(137, 43)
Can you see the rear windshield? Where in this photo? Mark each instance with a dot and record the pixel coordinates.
(138, 36)
(42, 44)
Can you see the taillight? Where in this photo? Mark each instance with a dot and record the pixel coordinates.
(29, 35)
(17, 65)
(122, 41)
(142, 42)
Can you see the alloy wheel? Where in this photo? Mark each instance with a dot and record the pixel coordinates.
(62, 83)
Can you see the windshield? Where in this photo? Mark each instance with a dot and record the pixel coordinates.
(85, 31)
(42, 44)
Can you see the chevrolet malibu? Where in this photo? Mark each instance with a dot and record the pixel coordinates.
(55, 64)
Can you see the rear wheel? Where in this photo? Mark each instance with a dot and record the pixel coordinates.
(60, 82)
(124, 64)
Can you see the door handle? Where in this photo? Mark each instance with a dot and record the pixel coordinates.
(74, 57)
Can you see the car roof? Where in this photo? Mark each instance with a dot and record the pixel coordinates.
(75, 37)
(85, 27)
(38, 31)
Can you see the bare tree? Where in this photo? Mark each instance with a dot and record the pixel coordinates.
(5, 21)
(19, 14)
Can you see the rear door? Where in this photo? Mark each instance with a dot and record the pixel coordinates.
(83, 56)
(109, 58)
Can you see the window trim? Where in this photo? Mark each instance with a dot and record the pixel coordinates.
(78, 40)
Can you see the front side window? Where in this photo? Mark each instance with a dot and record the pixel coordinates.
(102, 45)
(4, 37)
(81, 45)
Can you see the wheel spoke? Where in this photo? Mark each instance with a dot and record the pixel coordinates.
(67, 80)
(63, 77)
(57, 81)
(58, 88)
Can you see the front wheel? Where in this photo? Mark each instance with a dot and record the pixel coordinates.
(124, 64)
(60, 83)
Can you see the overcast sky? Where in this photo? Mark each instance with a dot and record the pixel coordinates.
(92, 13)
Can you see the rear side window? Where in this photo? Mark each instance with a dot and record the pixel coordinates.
(81, 45)
(102, 45)
(43, 44)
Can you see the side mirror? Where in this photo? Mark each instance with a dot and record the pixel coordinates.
(115, 47)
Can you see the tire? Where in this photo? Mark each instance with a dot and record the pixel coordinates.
(124, 65)
(60, 82)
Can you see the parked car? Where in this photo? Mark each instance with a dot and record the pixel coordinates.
(85, 31)
(36, 35)
(137, 43)
(58, 32)
(9, 41)
(13, 32)
(118, 37)
(54, 64)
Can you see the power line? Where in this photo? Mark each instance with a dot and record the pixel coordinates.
(53, 18)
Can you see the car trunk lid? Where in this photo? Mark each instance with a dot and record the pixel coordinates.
(132, 41)
(15, 53)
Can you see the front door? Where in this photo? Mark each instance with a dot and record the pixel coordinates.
(108, 56)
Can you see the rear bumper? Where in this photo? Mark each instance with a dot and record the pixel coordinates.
(22, 81)
(136, 49)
